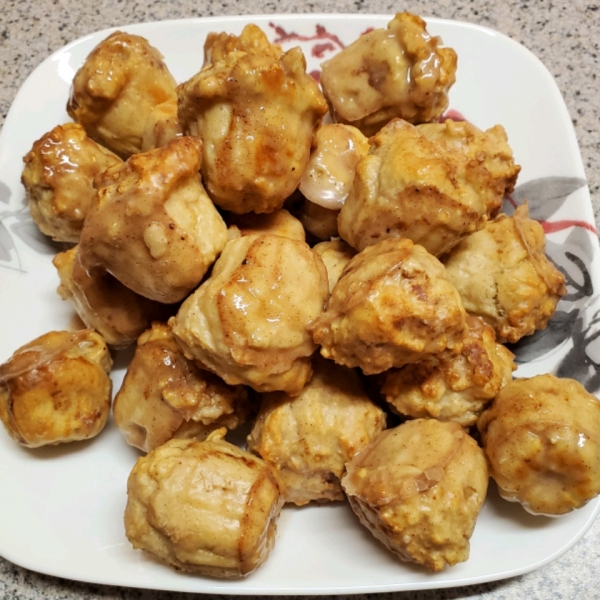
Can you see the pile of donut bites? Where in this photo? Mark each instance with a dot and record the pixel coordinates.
(321, 281)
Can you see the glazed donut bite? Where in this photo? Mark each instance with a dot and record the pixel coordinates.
(58, 177)
(503, 276)
(249, 321)
(257, 115)
(103, 303)
(205, 507)
(489, 148)
(164, 395)
(400, 72)
(309, 438)
(153, 226)
(409, 186)
(56, 389)
(419, 488)
(116, 89)
(452, 386)
(542, 438)
(393, 305)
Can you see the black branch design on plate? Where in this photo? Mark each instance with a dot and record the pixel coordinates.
(580, 362)
(5, 193)
(580, 290)
(534, 346)
(546, 195)
(6, 244)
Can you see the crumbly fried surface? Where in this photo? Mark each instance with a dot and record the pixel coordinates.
(400, 71)
(164, 395)
(58, 177)
(409, 186)
(203, 506)
(329, 174)
(252, 40)
(542, 438)
(249, 322)
(393, 305)
(503, 276)
(257, 115)
(56, 389)
(278, 222)
(103, 303)
(153, 227)
(335, 254)
(309, 438)
(116, 89)
(452, 386)
(419, 488)
(162, 126)
(488, 148)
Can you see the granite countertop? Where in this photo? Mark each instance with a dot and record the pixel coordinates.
(564, 35)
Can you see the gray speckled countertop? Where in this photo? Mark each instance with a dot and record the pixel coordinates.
(564, 35)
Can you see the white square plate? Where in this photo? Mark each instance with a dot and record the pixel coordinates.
(61, 508)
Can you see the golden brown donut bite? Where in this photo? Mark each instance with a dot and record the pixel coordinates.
(542, 438)
(103, 303)
(400, 72)
(409, 186)
(58, 177)
(257, 115)
(116, 89)
(153, 226)
(164, 395)
(452, 386)
(309, 438)
(419, 488)
(393, 305)
(56, 389)
(206, 507)
(489, 148)
(503, 275)
(249, 321)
